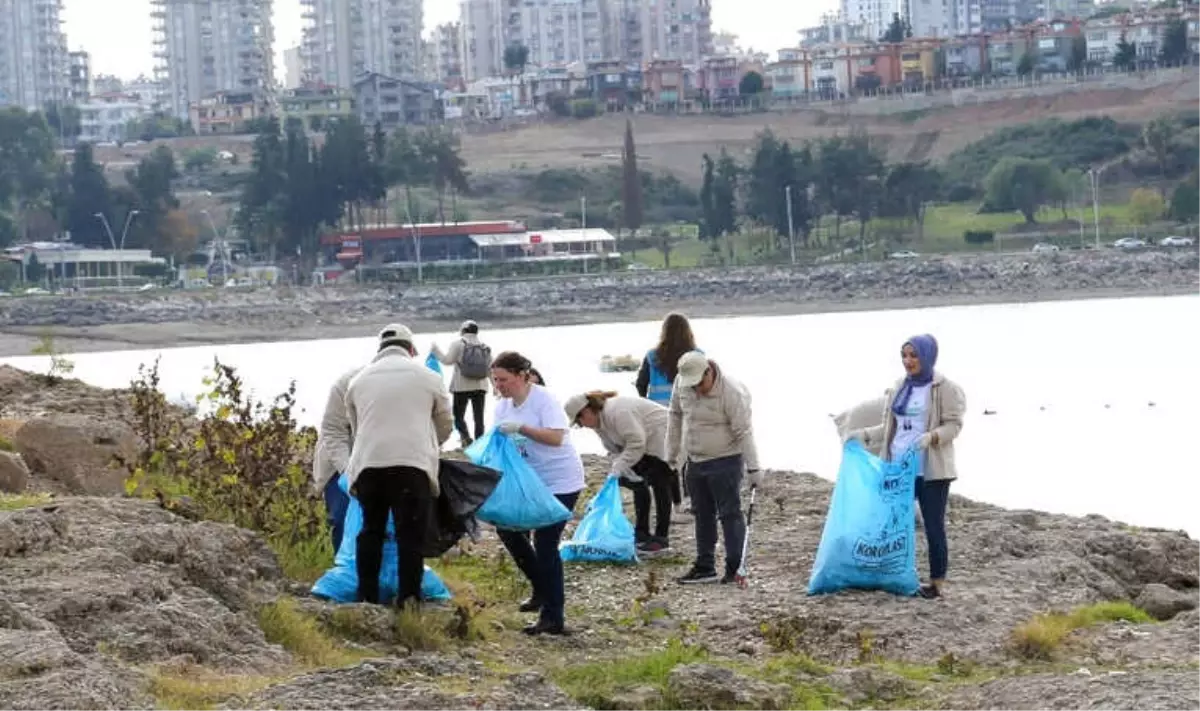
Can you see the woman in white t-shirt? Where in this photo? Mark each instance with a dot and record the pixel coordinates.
(529, 414)
(924, 412)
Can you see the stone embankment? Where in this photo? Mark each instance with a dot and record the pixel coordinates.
(277, 313)
(107, 602)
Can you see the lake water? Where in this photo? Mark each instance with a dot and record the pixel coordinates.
(1094, 401)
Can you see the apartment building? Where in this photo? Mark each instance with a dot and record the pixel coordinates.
(206, 47)
(874, 16)
(80, 77)
(106, 117)
(1143, 29)
(677, 29)
(34, 64)
(293, 68)
(346, 39)
(481, 44)
(445, 61)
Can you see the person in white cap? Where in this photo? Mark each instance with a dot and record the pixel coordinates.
(399, 414)
(472, 361)
(711, 433)
(634, 431)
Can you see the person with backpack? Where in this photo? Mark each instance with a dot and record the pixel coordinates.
(472, 361)
(634, 431)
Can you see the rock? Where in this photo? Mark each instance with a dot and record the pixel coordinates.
(704, 686)
(1163, 603)
(39, 671)
(639, 697)
(1150, 689)
(77, 451)
(863, 684)
(14, 475)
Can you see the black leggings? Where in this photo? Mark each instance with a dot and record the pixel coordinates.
(475, 398)
(657, 477)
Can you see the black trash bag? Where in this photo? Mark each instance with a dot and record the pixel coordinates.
(463, 489)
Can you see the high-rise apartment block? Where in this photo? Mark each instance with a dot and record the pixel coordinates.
(445, 52)
(346, 39)
(208, 47)
(34, 65)
(80, 68)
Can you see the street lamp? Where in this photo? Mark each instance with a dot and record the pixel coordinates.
(791, 226)
(112, 240)
(1094, 178)
(219, 242)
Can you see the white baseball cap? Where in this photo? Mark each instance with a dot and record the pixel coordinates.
(692, 367)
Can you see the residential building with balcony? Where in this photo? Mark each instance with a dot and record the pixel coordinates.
(610, 83)
(226, 113)
(81, 77)
(675, 29)
(344, 39)
(718, 78)
(313, 107)
(787, 78)
(481, 44)
(445, 53)
(1143, 29)
(965, 56)
(833, 29)
(663, 82)
(392, 102)
(208, 47)
(873, 16)
(35, 68)
(1054, 44)
(293, 68)
(1005, 50)
(106, 117)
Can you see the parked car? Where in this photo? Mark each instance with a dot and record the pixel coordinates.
(1045, 247)
(1129, 243)
(1174, 241)
(906, 254)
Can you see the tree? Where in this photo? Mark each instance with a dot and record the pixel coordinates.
(1022, 185)
(1185, 200)
(177, 235)
(447, 170)
(259, 208)
(200, 159)
(1175, 49)
(751, 84)
(1027, 63)
(631, 185)
(707, 204)
(28, 162)
(724, 195)
(1158, 136)
(908, 189)
(1077, 59)
(1146, 207)
(516, 57)
(897, 31)
(89, 195)
(665, 242)
(1125, 56)
(836, 179)
(152, 183)
(64, 121)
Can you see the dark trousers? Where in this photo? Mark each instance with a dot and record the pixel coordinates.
(541, 563)
(932, 497)
(657, 478)
(406, 494)
(336, 503)
(715, 486)
(475, 398)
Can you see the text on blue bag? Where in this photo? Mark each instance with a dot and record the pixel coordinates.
(604, 534)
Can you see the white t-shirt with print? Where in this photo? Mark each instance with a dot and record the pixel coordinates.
(912, 424)
(560, 467)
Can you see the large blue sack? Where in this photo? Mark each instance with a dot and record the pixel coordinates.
(433, 363)
(604, 535)
(340, 583)
(869, 537)
(520, 502)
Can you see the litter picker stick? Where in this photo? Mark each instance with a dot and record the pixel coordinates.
(743, 571)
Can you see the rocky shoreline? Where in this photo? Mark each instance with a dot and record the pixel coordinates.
(164, 319)
(109, 602)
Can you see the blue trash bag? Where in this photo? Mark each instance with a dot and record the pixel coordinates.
(520, 502)
(340, 583)
(604, 535)
(869, 541)
(433, 363)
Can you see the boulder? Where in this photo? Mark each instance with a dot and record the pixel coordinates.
(14, 475)
(1163, 602)
(77, 452)
(860, 685)
(704, 686)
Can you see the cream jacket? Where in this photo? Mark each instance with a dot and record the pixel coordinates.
(334, 438)
(861, 417)
(632, 427)
(399, 414)
(712, 426)
(459, 383)
(947, 405)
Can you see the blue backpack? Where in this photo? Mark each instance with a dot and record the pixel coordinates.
(605, 534)
(521, 501)
(870, 534)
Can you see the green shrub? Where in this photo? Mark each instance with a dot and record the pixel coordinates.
(979, 236)
(584, 108)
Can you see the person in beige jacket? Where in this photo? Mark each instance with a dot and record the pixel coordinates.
(399, 414)
(710, 430)
(332, 455)
(924, 413)
(634, 432)
(471, 359)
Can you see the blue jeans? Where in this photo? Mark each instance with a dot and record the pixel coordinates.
(932, 497)
(541, 563)
(336, 504)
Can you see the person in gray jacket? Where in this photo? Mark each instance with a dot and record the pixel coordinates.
(334, 441)
(634, 432)
(711, 432)
(472, 361)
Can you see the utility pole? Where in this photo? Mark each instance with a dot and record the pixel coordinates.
(791, 226)
(416, 242)
(1094, 175)
(219, 243)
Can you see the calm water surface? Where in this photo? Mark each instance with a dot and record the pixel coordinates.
(1094, 401)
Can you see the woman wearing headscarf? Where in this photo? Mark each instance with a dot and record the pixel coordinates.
(924, 411)
(634, 431)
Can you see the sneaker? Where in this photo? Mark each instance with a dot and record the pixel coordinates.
(729, 578)
(696, 576)
(929, 591)
(533, 604)
(652, 548)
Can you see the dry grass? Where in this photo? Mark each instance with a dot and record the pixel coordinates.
(284, 624)
(198, 689)
(1041, 637)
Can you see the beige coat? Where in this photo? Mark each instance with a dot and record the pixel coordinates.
(860, 417)
(399, 414)
(947, 405)
(712, 426)
(334, 438)
(458, 383)
(631, 428)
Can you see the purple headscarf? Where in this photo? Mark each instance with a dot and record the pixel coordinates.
(926, 347)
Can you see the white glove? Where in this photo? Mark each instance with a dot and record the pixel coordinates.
(756, 478)
(857, 435)
(925, 441)
(510, 428)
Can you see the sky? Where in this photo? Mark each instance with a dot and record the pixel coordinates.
(119, 40)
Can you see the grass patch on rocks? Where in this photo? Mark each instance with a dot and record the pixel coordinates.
(12, 502)
(595, 685)
(1041, 637)
(284, 624)
(201, 689)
